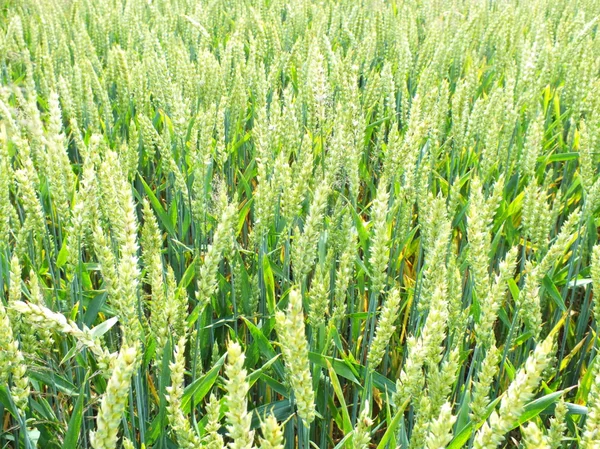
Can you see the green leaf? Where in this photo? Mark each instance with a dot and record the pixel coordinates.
(72, 435)
(72, 352)
(104, 327)
(576, 409)
(339, 366)
(363, 235)
(254, 376)
(201, 386)
(173, 212)
(514, 289)
(392, 426)
(461, 438)
(266, 348)
(560, 157)
(281, 410)
(160, 211)
(63, 254)
(534, 408)
(60, 383)
(189, 274)
(269, 285)
(7, 402)
(94, 307)
(337, 388)
(242, 214)
(275, 385)
(554, 293)
(343, 440)
(579, 282)
(157, 425)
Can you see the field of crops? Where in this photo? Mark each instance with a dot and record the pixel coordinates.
(299, 224)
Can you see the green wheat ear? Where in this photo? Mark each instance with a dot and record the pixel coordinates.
(291, 334)
(238, 418)
(114, 400)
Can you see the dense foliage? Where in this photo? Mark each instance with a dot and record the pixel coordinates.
(279, 224)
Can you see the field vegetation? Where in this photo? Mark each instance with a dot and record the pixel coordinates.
(299, 224)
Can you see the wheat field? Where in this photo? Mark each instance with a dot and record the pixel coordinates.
(299, 224)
